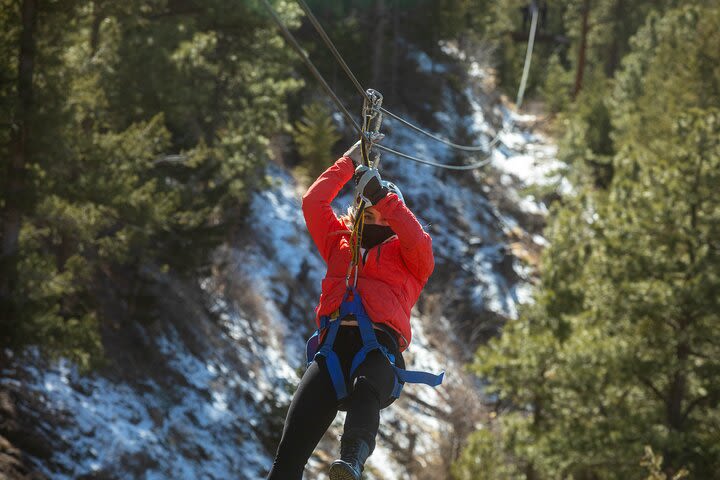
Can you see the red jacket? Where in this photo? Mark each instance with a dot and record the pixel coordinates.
(393, 274)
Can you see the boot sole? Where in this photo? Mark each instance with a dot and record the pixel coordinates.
(339, 472)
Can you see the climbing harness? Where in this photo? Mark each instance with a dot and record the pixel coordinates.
(351, 304)
(373, 113)
(331, 324)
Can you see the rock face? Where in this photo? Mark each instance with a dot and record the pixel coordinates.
(202, 392)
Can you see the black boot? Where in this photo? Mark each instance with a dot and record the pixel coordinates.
(353, 453)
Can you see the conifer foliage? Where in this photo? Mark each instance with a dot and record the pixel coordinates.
(315, 134)
(620, 353)
(135, 132)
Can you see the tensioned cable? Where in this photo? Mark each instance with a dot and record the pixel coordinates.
(293, 42)
(329, 43)
(496, 139)
(471, 166)
(316, 73)
(518, 101)
(468, 148)
(358, 86)
(321, 31)
(528, 55)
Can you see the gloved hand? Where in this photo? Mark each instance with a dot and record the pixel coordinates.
(355, 152)
(369, 185)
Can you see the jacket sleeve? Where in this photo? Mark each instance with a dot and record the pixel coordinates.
(415, 243)
(319, 216)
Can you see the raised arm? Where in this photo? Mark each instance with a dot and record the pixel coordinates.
(319, 216)
(415, 243)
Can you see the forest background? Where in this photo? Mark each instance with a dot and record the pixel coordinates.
(133, 134)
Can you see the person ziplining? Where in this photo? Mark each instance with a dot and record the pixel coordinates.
(378, 258)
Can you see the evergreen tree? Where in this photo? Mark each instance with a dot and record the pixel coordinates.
(142, 128)
(620, 350)
(315, 134)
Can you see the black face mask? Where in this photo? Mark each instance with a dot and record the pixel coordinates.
(375, 234)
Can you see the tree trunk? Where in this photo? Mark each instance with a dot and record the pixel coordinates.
(613, 57)
(15, 171)
(677, 391)
(676, 396)
(97, 18)
(538, 413)
(582, 50)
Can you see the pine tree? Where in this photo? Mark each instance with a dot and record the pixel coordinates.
(620, 351)
(315, 134)
(146, 132)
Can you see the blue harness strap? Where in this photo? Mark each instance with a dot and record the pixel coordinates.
(370, 342)
(331, 359)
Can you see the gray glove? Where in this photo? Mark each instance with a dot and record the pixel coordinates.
(355, 152)
(369, 186)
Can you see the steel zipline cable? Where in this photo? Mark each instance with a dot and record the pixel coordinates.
(328, 42)
(472, 148)
(358, 86)
(518, 102)
(528, 56)
(321, 31)
(316, 73)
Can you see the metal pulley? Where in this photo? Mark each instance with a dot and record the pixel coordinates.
(372, 121)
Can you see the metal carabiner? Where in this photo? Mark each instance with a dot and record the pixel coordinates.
(372, 121)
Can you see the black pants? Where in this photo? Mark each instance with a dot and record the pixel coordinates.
(314, 406)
